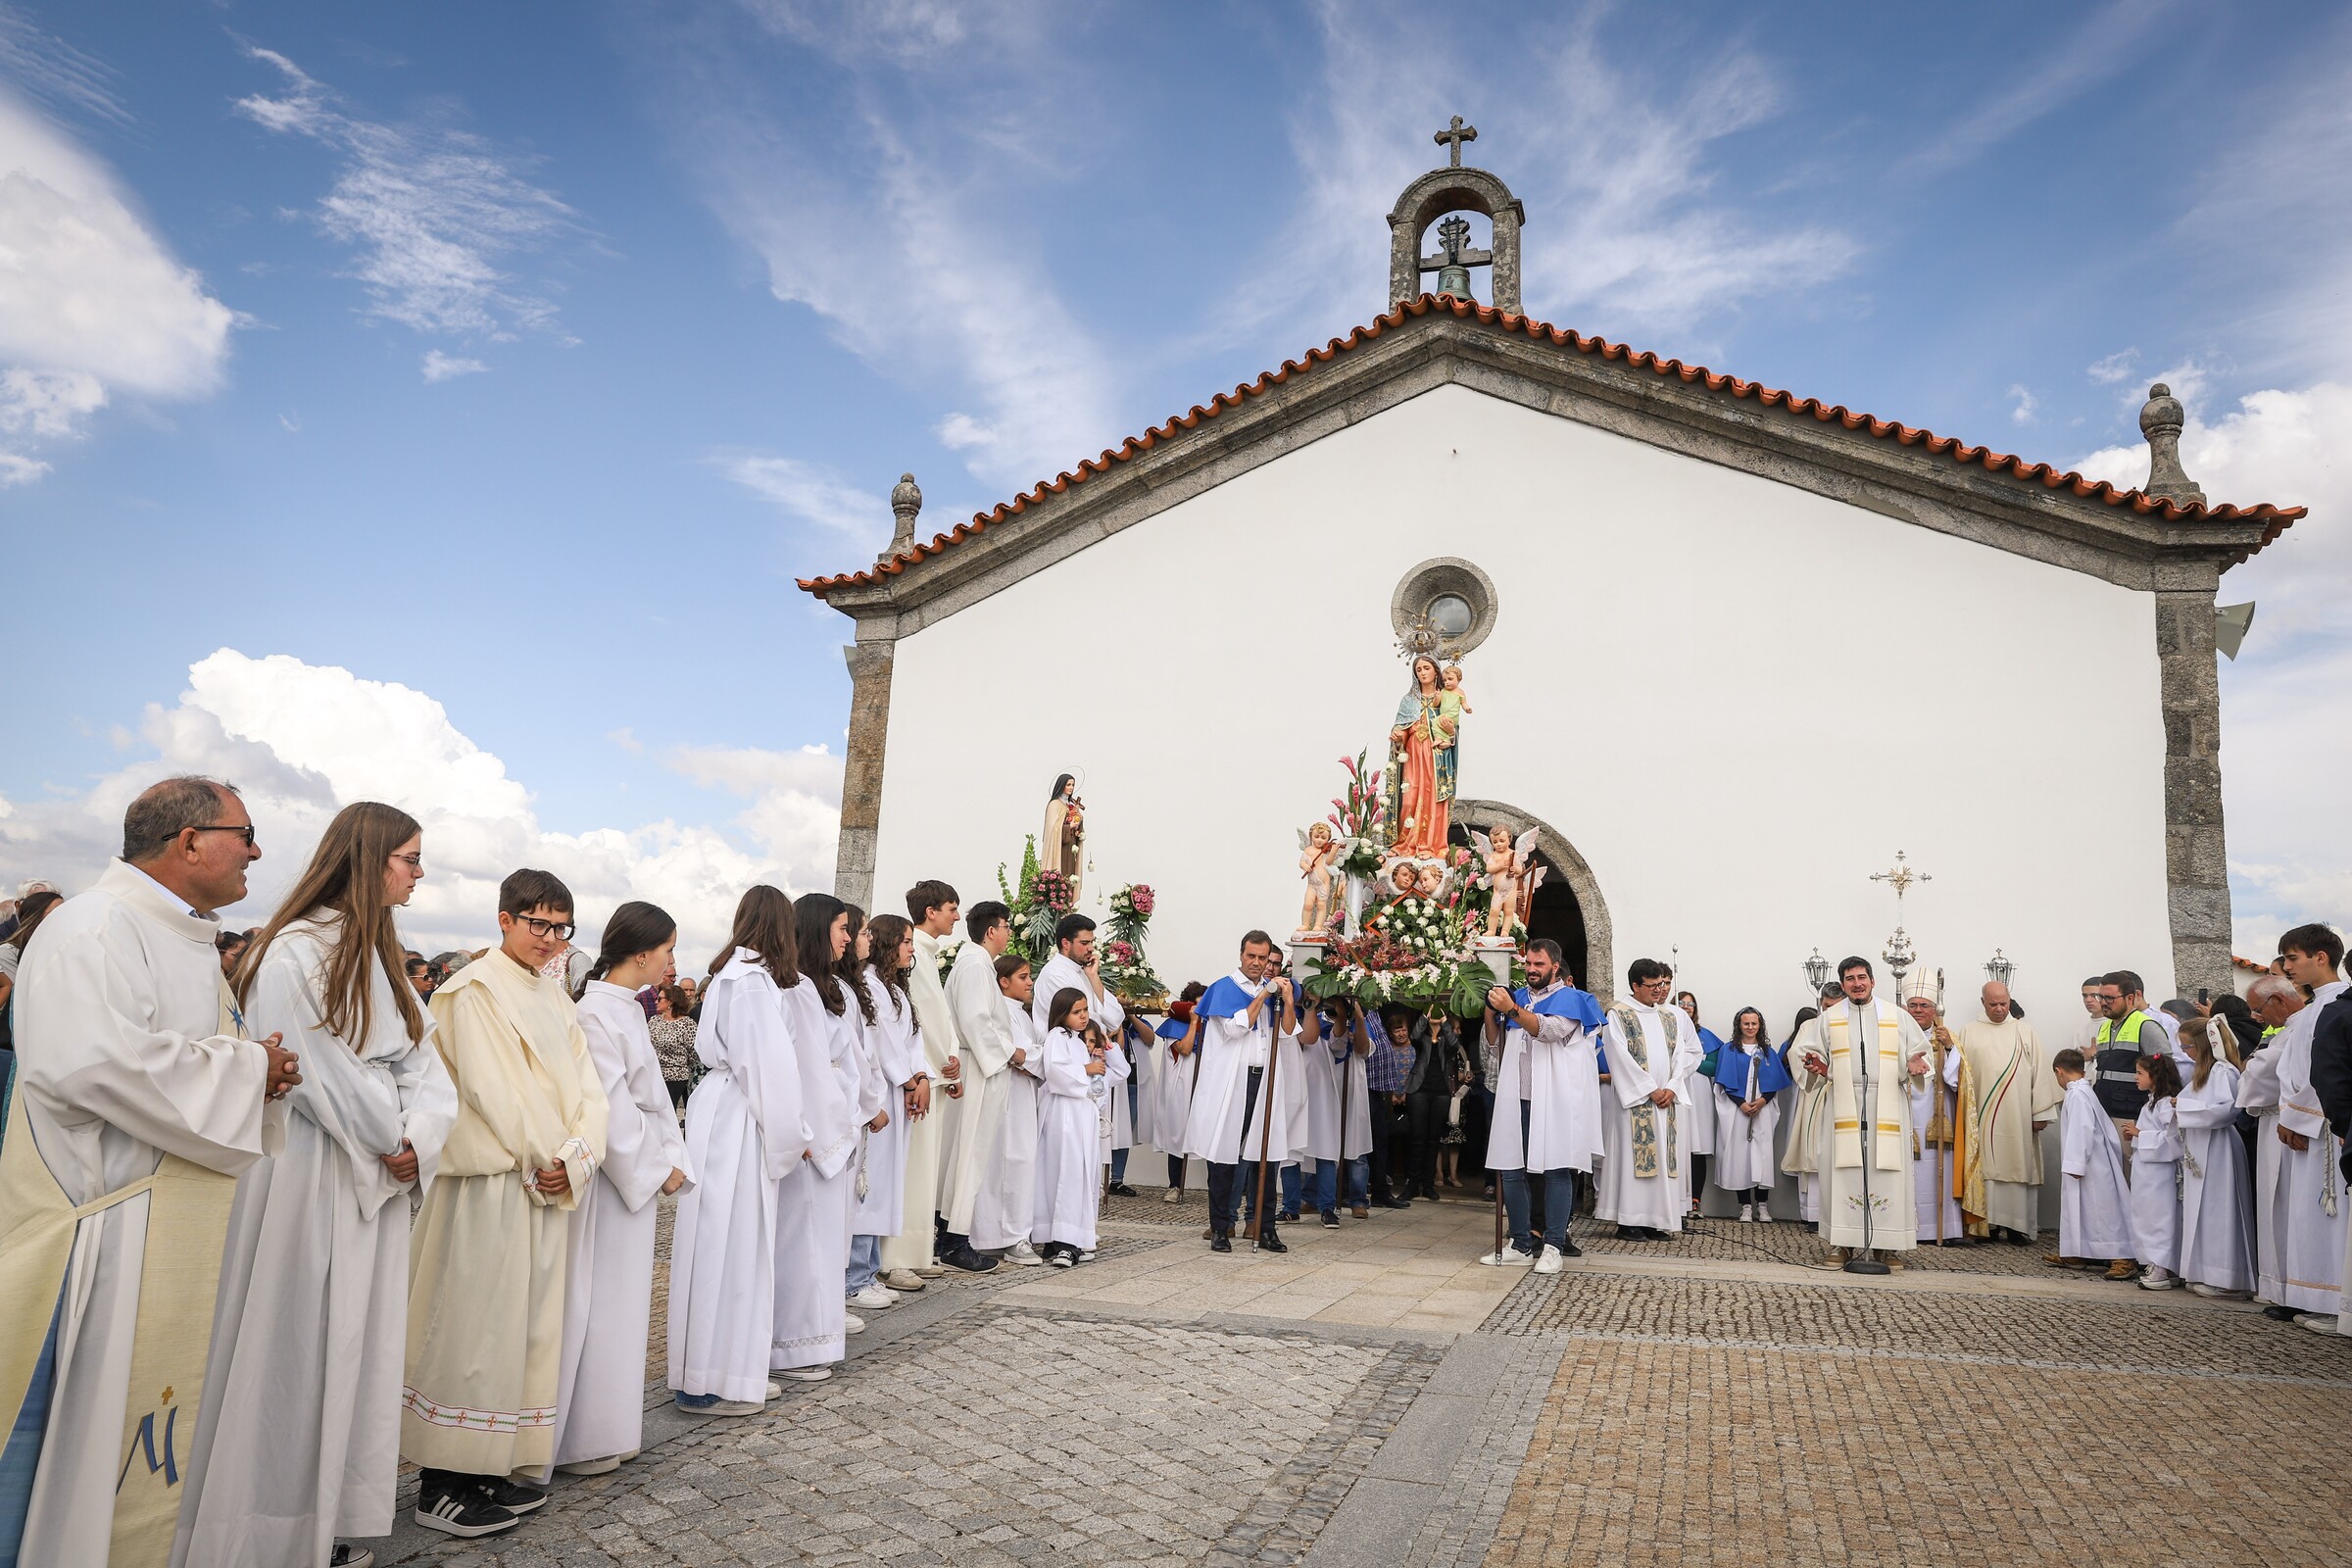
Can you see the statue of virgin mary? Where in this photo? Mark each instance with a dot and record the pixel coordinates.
(1420, 787)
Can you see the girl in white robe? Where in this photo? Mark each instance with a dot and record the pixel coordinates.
(1748, 1070)
(2156, 1175)
(895, 1044)
(2093, 1206)
(768, 1109)
(2217, 1203)
(609, 1257)
(1076, 1109)
(1006, 1207)
(860, 1069)
(297, 1437)
(813, 1213)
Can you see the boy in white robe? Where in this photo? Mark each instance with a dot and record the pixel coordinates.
(2094, 1205)
(608, 1270)
(1653, 1052)
(486, 1263)
(1005, 1210)
(2313, 1212)
(933, 909)
(1076, 1105)
(131, 1064)
(298, 1440)
(986, 1034)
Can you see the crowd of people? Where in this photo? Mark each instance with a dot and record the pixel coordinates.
(421, 1194)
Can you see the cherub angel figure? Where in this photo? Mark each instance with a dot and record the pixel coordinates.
(1319, 853)
(1507, 871)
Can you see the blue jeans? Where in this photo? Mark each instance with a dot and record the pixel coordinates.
(1327, 1184)
(1559, 1199)
(1289, 1179)
(865, 1261)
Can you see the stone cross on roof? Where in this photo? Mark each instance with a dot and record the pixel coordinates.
(1452, 137)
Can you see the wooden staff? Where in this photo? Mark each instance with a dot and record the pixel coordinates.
(1265, 1125)
(1938, 1123)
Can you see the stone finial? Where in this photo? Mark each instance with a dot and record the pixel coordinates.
(2160, 422)
(906, 501)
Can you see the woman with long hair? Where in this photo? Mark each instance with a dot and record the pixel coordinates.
(812, 1220)
(893, 1046)
(671, 1030)
(1075, 1108)
(2217, 1203)
(1749, 1078)
(297, 1435)
(863, 1082)
(609, 1261)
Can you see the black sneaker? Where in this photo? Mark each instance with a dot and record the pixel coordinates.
(971, 1262)
(1122, 1190)
(513, 1497)
(1571, 1250)
(1286, 1216)
(1220, 1243)
(1331, 1219)
(1397, 1202)
(347, 1555)
(461, 1510)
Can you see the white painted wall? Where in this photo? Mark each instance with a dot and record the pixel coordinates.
(1736, 699)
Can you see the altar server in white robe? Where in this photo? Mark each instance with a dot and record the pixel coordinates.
(2217, 1233)
(1808, 1114)
(1748, 1078)
(1241, 1018)
(893, 1048)
(298, 1438)
(1652, 1051)
(609, 1273)
(812, 1213)
(2155, 1140)
(1548, 1111)
(1076, 1105)
(1935, 1120)
(986, 1036)
(1074, 966)
(932, 908)
(2094, 1207)
(1870, 1054)
(1338, 1111)
(1005, 1210)
(861, 1072)
(767, 1108)
(2313, 1211)
(1175, 1066)
(131, 1064)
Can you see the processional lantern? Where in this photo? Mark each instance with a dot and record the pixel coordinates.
(1999, 968)
(1817, 972)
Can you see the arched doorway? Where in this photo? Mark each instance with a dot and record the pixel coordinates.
(1568, 906)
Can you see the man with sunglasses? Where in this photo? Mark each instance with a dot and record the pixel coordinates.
(487, 1261)
(138, 1092)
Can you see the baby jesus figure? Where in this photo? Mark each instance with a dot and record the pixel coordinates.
(1316, 865)
(1506, 871)
(1452, 679)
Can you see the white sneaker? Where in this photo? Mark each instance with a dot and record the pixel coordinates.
(775, 1390)
(1747, 1213)
(1508, 1257)
(852, 1323)
(2160, 1279)
(1764, 1213)
(2317, 1322)
(1024, 1254)
(877, 1296)
(1549, 1262)
(1086, 1257)
(802, 1374)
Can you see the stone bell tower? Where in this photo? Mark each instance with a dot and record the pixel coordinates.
(1455, 189)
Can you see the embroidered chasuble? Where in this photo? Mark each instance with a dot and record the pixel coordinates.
(1654, 1136)
(1870, 1045)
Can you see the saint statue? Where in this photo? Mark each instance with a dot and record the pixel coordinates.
(1062, 846)
(1319, 912)
(1514, 884)
(1421, 762)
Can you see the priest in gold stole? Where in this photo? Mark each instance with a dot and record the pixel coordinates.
(138, 1104)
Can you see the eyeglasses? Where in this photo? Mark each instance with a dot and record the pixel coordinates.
(223, 827)
(560, 930)
(414, 862)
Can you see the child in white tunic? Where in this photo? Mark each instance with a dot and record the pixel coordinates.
(1007, 1207)
(2156, 1175)
(2217, 1205)
(1077, 1104)
(2093, 1206)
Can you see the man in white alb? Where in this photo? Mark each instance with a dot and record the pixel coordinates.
(977, 1006)
(1935, 1117)
(1547, 1104)
(2311, 1206)
(1869, 1056)
(907, 1257)
(1243, 1018)
(1653, 1052)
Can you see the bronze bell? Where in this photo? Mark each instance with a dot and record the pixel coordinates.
(1454, 279)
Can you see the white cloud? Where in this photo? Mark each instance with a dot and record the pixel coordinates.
(59, 77)
(812, 493)
(2103, 45)
(302, 740)
(440, 366)
(2115, 367)
(91, 304)
(2024, 403)
(431, 211)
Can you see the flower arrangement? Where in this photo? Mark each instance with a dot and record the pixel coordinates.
(946, 957)
(1358, 816)
(1413, 952)
(1125, 970)
(1033, 912)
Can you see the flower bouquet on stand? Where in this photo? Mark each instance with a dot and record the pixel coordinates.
(1125, 970)
(1415, 952)
(1041, 899)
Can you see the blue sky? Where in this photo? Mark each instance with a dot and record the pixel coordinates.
(442, 398)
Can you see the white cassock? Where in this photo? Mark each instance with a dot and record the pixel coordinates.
(986, 1031)
(2217, 1207)
(1932, 1180)
(125, 1061)
(2094, 1208)
(1328, 1084)
(1006, 1207)
(928, 1140)
(894, 1052)
(1656, 1197)
(1697, 1095)
(297, 1440)
(1868, 1048)
(1063, 973)
(1744, 1143)
(2156, 1187)
(812, 1206)
(2309, 1195)
(1069, 1173)
(2258, 1097)
(1148, 1087)
(1556, 1075)
(748, 1124)
(1229, 1048)
(608, 1268)
(1808, 1114)
(1118, 1128)
(1171, 1088)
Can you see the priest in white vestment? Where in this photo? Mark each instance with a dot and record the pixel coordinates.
(2011, 1099)
(2094, 1209)
(130, 1065)
(1241, 1016)
(1547, 1104)
(298, 1440)
(1652, 1051)
(1005, 1210)
(906, 1253)
(1935, 1120)
(2313, 1211)
(1869, 1055)
(609, 1269)
(985, 1035)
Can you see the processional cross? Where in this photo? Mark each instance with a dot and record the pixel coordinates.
(1899, 952)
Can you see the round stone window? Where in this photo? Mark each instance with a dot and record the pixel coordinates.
(1451, 597)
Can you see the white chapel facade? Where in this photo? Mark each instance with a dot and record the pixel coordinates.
(1728, 649)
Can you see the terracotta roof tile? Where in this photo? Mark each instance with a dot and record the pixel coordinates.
(2278, 519)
